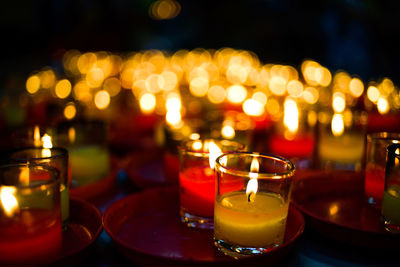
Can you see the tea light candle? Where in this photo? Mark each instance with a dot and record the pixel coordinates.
(344, 149)
(251, 219)
(300, 146)
(89, 163)
(258, 223)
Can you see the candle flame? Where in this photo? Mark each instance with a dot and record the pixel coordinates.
(197, 145)
(337, 125)
(71, 135)
(252, 185)
(214, 153)
(36, 136)
(291, 115)
(8, 200)
(47, 144)
(24, 176)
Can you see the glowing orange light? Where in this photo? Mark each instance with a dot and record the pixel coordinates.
(63, 88)
(32, 84)
(102, 99)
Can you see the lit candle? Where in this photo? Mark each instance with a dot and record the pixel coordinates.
(253, 220)
(55, 157)
(342, 146)
(292, 143)
(30, 222)
(197, 180)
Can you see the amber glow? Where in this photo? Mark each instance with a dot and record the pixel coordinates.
(337, 125)
(382, 105)
(47, 144)
(102, 99)
(164, 9)
(356, 87)
(71, 135)
(216, 94)
(63, 88)
(236, 94)
(36, 136)
(338, 102)
(197, 145)
(253, 107)
(95, 77)
(291, 115)
(228, 132)
(32, 84)
(70, 111)
(8, 200)
(373, 94)
(147, 103)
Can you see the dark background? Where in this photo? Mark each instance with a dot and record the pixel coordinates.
(357, 36)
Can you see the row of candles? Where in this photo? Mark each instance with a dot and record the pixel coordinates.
(226, 95)
(35, 187)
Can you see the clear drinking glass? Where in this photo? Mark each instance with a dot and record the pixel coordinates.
(197, 179)
(252, 200)
(391, 194)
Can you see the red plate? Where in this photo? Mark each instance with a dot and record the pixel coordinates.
(146, 228)
(84, 227)
(335, 206)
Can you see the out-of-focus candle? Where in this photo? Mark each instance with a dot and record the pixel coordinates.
(342, 140)
(30, 221)
(88, 164)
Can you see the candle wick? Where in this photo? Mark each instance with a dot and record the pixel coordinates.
(249, 197)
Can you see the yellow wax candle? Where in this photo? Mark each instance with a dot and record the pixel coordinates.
(259, 223)
(88, 164)
(348, 148)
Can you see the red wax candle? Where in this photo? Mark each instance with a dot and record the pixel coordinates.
(374, 183)
(32, 237)
(197, 190)
(301, 146)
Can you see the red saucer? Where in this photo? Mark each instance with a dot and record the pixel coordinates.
(335, 206)
(84, 227)
(146, 228)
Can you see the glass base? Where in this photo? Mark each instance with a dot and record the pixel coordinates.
(390, 227)
(237, 251)
(195, 221)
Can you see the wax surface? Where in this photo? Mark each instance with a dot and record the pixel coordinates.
(300, 146)
(197, 191)
(250, 224)
(35, 236)
(348, 148)
(88, 164)
(374, 182)
(391, 204)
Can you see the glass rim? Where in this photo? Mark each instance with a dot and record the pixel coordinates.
(62, 153)
(282, 175)
(187, 151)
(43, 185)
(384, 136)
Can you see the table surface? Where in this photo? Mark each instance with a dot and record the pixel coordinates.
(310, 250)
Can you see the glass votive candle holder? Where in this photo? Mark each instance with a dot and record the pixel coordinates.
(197, 179)
(86, 142)
(55, 157)
(30, 217)
(341, 140)
(376, 154)
(252, 201)
(391, 194)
